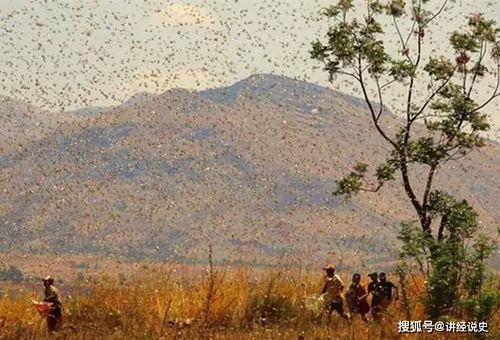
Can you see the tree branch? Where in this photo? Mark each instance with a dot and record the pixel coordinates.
(403, 43)
(464, 85)
(442, 226)
(441, 9)
(428, 186)
(410, 89)
(388, 83)
(428, 101)
(404, 162)
(380, 99)
(458, 151)
(411, 194)
(493, 96)
(482, 53)
(370, 105)
(430, 115)
(349, 74)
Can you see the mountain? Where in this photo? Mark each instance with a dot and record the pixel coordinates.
(279, 90)
(249, 168)
(22, 123)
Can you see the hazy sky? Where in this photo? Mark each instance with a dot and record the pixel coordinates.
(74, 53)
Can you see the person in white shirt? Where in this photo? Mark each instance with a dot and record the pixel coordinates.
(333, 293)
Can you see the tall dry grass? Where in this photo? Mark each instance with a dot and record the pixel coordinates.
(219, 303)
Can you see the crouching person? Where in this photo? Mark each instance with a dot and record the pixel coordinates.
(332, 290)
(54, 316)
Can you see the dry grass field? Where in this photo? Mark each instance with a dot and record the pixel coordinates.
(175, 302)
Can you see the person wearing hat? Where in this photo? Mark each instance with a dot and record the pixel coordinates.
(332, 291)
(54, 318)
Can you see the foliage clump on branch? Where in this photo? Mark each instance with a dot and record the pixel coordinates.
(443, 123)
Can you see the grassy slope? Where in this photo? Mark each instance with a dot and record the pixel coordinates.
(244, 304)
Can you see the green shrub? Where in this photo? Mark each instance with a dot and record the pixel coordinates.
(12, 273)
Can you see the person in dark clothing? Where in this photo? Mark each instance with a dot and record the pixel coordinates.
(386, 291)
(375, 290)
(54, 318)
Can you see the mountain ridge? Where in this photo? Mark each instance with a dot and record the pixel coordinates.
(160, 178)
